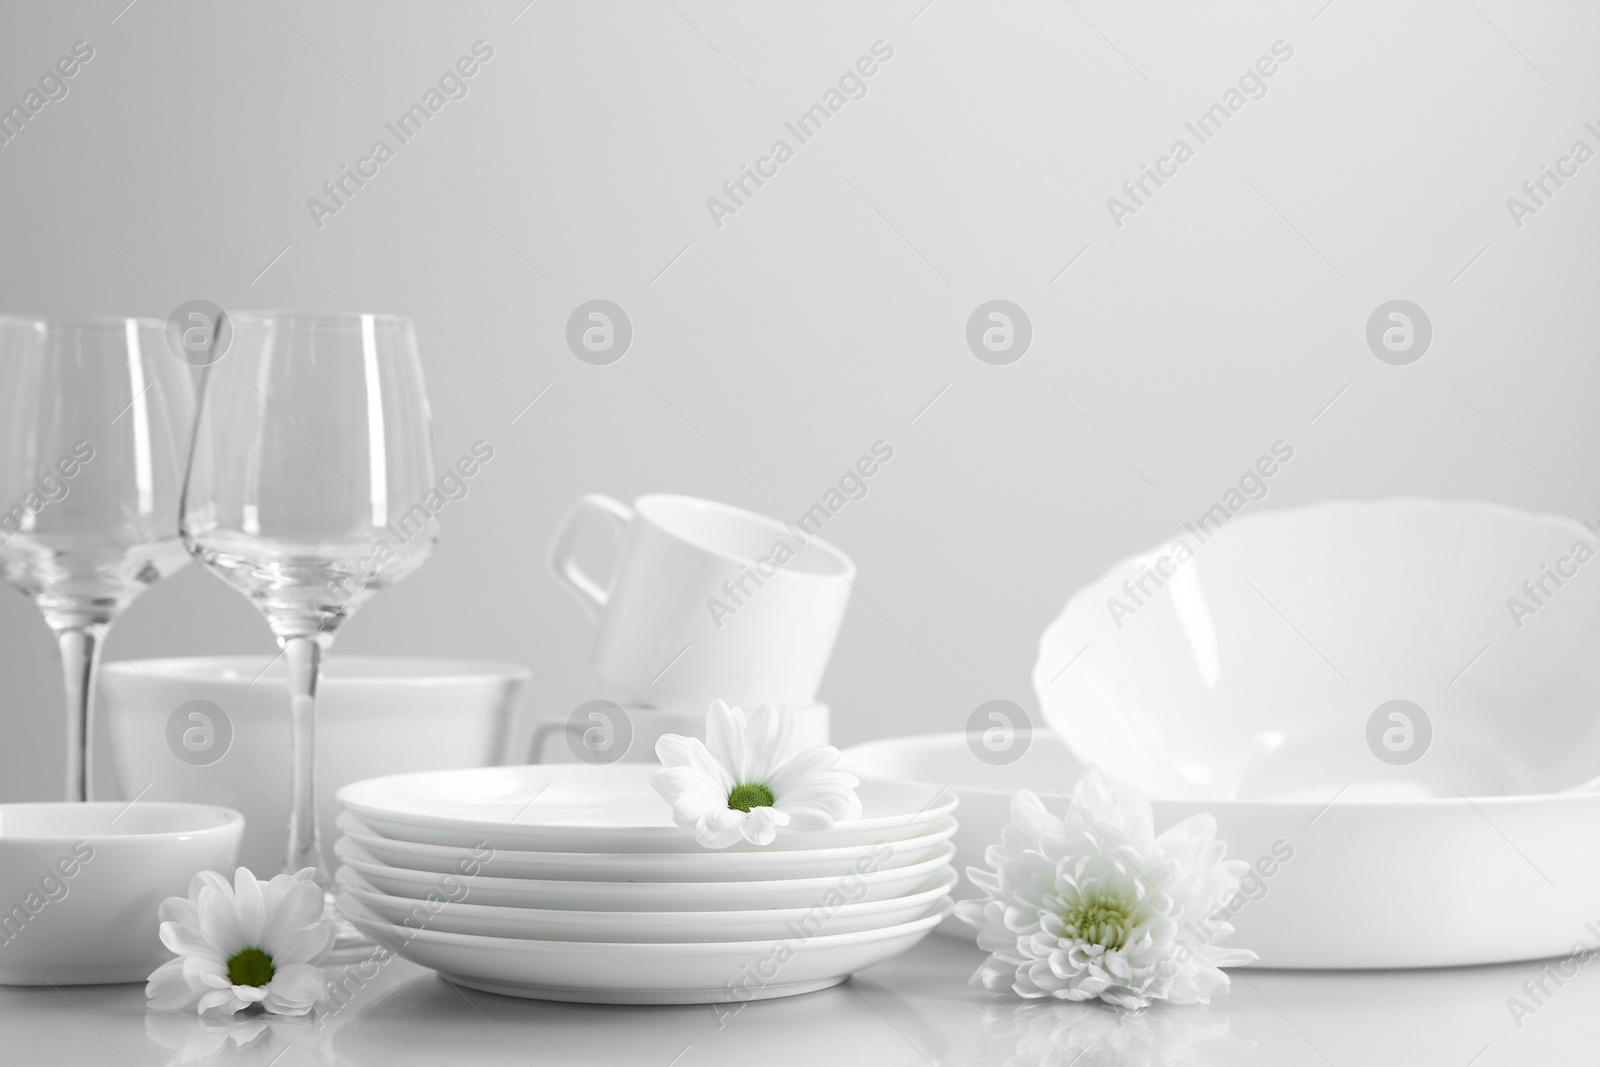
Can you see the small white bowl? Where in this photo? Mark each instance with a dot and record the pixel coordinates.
(376, 715)
(81, 884)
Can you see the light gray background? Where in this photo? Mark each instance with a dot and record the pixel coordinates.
(830, 311)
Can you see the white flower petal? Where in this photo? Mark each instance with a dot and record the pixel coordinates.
(690, 752)
(760, 825)
(249, 906)
(766, 742)
(219, 922)
(720, 828)
(221, 998)
(802, 766)
(294, 989)
(724, 734)
(166, 989)
(179, 910)
(187, 941)
(303, 904)
(203, 974)
(307, 944)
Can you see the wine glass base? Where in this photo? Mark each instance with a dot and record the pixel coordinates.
(349, 944)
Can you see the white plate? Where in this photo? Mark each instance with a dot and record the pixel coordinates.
(655, 926)
(631, 896)
(579, 808)
(707, 865)
(633, 973)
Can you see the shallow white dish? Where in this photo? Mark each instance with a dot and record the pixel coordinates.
(830, 917)
(1256, 669)
(631, 896)
(376, 715)
(706, 865)
(581, 808)
(1369, 883)
(634, 973)
(80, 884)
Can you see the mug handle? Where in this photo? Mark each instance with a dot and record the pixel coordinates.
(541, 736)
(590, 593)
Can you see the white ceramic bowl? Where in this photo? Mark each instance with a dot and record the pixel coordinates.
(1366, 883)
(706, 865)
(568, 895)
(652, 926)
(81, 884)
(376, 715)
(1254, 670)
(643, 973)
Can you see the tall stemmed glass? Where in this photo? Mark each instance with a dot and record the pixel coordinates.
(309, 490)
(95, 416)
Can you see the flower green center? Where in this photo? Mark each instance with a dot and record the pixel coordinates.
(745, 797)
(1099, 922)
(250, 966)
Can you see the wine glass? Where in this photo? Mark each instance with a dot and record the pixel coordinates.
(95, 416)
(309, 489)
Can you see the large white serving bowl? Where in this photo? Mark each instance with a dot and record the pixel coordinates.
(706, 865)
(572, 895)
(81, 884)
(376, 715)
(581, 808)
(676, 926)
(644, 973)
(1253, 671)
(1367, 883)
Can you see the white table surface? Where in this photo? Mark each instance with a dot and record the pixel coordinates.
(914, 1010)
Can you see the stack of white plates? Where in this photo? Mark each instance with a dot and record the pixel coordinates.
(570, 882)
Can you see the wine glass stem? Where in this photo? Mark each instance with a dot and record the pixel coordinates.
(80, 660)
(304, 656)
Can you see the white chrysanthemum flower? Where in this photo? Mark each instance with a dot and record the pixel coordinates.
(247, 943)
(1096, 905)
(738, 784)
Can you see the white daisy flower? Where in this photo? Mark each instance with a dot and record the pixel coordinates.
(1096, 905)
(251, 942)
(737, 784)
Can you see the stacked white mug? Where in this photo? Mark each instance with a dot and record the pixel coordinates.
(706, 601)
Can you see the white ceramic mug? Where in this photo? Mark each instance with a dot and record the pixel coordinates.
(706, 601)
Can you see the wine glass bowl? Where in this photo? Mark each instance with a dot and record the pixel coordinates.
(95, 416)
(312, 465)
(309, 490)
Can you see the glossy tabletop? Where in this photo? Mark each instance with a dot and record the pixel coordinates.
(914, 1010)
